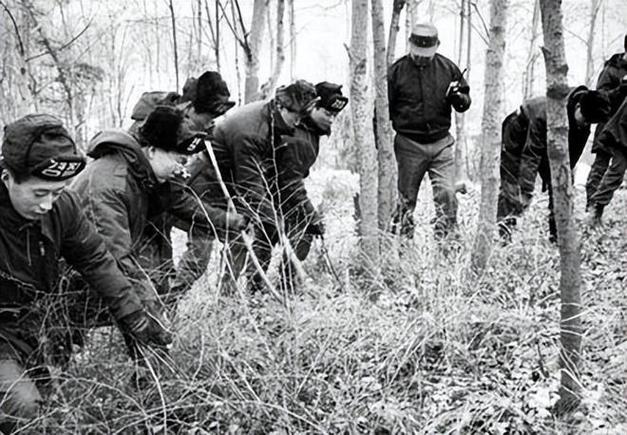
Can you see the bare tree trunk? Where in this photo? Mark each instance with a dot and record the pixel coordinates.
(394, 28)
(563, 199)
(290, 8)
(255, 39)
(532, 55)
(595, 5)
(362, 127)
(459, 117)
(491, 140)
(199, 24)
(383, 131)
(268, 87)
(174, 45)
(410, 19)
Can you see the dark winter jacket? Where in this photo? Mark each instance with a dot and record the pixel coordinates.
(244, 145)
(614, 135)
(534, 157)
(609, 82)
(119, 192)
(294, 160)
(419, 108)
(29, 266)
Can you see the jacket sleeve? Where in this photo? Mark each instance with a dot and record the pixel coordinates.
(109, 211)
(534, 149)
(610, 84)
(291, 177)
(85, 250)
(192, 212)
(249, 173)
(391, 90)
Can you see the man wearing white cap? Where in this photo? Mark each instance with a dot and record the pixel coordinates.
(422, 87)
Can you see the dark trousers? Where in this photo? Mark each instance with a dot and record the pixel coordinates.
(612, 179)
(597, 171)
(414, 160)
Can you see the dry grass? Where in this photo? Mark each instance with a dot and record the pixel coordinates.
(422, 350)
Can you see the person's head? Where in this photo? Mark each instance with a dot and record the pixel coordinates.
(168, 138)
(330, 104)
(38, 159)
(295, 101)
(209, 97)
(423, 43)
(591, 108)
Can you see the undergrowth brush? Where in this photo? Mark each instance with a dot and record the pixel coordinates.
(420, 347)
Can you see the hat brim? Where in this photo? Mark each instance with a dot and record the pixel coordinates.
(423, 51)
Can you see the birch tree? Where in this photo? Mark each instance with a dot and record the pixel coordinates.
(255, 39)
(563, 198)
(362, 127)
(491, 137)
(385, 149)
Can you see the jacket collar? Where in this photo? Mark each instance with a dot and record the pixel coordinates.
(129, 146)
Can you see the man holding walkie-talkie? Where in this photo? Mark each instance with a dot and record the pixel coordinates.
(422, 87)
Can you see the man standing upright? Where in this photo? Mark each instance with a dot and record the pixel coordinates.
(613, 83)
(422, 87)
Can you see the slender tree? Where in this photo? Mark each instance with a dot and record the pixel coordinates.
(255, 39)
(174, 42)
(385, 148)
(362, 128)
(595, 6)
(292, 15)
(397, 8)
(279, 59)
(459, 117)
(532, 54)
(491, 134)
(563, 198)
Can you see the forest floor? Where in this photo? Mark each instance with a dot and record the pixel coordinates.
(422, 349)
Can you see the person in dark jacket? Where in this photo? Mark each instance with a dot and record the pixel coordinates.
(244, 145)
(294, 160)
(130, 180)
(41, 223)
(524, 152)
(204, 99)
(612, 138)
(613, 82)
(423, 86)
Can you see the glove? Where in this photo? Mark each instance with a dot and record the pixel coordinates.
(146, 329)
(316, 225)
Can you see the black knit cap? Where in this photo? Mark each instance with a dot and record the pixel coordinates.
(595, 106)
(209, 93)
(299, 96)
(331, 97)
(39, 144)
(167, 128)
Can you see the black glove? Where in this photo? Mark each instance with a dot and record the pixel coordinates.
(146, 329)
(316, 225)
